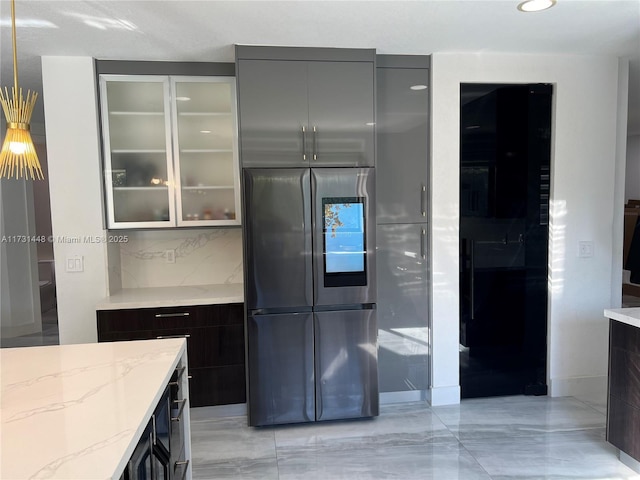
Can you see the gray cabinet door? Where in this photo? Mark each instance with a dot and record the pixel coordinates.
(403, 307)
(403, 145)
(346, 364)
(341, 113)
(277, 231)
(272, 98)
(280, 369)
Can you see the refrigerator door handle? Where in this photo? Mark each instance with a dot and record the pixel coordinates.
(423, 200)
(423, 250)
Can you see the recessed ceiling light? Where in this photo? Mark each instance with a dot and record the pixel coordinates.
(536, 5)
(370, 124)
(205, 131)
(183, 99)
(418, 87)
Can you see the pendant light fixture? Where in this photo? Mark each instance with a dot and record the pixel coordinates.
(18, 156)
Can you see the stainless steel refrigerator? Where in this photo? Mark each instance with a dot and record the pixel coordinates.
(310, 294)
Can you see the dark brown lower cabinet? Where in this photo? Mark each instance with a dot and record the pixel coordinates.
(623, 407)
(215, 344)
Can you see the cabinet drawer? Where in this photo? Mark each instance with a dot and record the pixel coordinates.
(145, 319)
(164, 318)
(625, 337)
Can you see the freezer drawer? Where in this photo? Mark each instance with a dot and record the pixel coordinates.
(277, 231)
(346, 364)
(280, 369)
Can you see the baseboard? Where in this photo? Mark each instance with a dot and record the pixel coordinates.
(572, 386)
(629, 461)
(410, 396)
(444, 396)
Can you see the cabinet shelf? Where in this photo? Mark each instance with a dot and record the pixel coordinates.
(137, 150)
(208, 187)
(204, 114)
(159, 188)
(206, 150)
(141, 114)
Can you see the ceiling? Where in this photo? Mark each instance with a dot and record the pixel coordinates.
(206, 30)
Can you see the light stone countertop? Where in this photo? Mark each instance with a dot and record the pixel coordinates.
(173, 296)
(76, 412)
(630, 316)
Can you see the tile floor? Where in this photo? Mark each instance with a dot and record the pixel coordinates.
(496, 438)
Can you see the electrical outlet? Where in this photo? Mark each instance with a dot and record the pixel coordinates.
(170, 255)
(585, 249)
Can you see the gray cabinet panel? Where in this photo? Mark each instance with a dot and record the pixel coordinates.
(273, 111)
(277, 238)
(403, 307)
(280, 356)
(402, 145)
(346, 364)
(341, 116)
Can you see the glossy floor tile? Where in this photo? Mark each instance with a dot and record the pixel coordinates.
(495, 438)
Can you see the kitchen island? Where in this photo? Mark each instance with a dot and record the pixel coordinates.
(77, 412)
(623, 402)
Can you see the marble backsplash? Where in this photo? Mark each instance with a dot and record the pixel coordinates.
(202, 257)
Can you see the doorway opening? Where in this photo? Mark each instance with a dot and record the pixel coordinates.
(505, 151)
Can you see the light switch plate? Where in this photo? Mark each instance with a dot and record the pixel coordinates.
(170, 256)
(74, 263)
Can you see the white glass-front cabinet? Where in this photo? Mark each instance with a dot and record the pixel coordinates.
(170, 151)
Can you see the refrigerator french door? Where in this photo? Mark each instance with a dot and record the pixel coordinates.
(309, 238)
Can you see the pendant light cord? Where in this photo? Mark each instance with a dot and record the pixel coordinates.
(15, 50)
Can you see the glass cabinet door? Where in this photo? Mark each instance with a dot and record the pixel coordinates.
(206, 156)
(137, 145)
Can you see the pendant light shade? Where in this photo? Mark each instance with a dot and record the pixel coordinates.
(18, 156)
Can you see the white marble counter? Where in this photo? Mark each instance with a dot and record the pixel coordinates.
(76, 412)
(173, 296)
(630, 316)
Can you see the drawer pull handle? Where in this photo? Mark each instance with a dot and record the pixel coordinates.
(181, 463)
(179, 372)
(182, 403)
(174, 336)
(167, 315)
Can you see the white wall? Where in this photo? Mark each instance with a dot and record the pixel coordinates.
(73, 155)
(584, 151)
(632, 181)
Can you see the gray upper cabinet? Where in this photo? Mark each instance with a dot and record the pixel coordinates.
(341, 117)
(403, 144)
(273, 112)
(306, 107)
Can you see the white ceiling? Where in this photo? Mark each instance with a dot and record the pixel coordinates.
(206, 30)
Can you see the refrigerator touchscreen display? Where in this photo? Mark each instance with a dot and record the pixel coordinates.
(344, 241)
